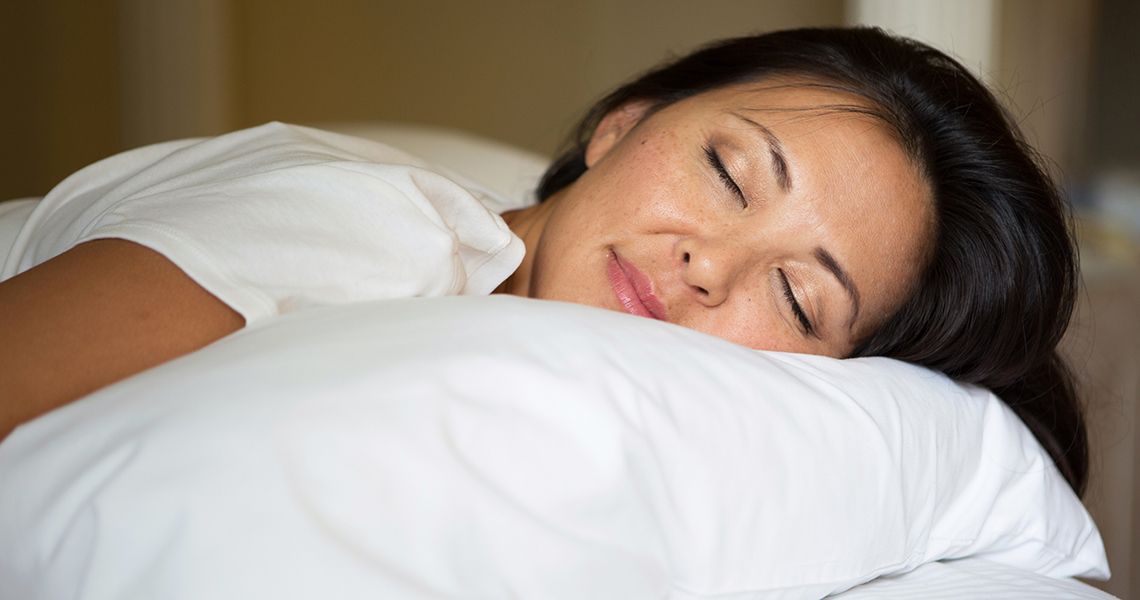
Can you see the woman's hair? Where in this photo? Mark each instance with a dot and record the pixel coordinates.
(998, 287)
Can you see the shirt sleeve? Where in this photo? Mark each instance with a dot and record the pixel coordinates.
(276, 227)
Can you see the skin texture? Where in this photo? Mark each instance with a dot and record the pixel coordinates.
(650, 194)
(95, 314)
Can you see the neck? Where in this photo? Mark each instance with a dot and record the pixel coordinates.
(527, 223)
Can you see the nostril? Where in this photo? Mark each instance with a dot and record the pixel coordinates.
(686, 258)
(702, 290)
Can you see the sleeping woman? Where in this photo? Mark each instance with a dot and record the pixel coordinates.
(840, 192)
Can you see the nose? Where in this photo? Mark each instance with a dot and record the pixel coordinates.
(708, 269)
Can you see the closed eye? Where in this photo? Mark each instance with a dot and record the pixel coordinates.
(797, 310)
(714, 161)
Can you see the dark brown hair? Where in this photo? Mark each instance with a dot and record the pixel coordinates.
(997, 292)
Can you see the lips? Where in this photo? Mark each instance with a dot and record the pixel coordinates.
(634, 290)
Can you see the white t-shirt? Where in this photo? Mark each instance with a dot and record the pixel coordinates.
(278, 217)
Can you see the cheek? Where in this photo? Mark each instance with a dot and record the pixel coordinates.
(650, 163)
(643, 186)
(569, 259)
(752, 322)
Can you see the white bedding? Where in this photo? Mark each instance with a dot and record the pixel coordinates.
(13, 214)
(490, 447)
(502, 447)
(972, 578)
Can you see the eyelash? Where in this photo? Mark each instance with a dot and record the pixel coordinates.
(797, 310)
(714, 161)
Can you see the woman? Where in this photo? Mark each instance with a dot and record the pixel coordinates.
(831, 191)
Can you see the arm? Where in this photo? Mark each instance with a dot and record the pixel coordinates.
(93, 315)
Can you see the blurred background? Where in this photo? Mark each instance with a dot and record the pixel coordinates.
(84, 79)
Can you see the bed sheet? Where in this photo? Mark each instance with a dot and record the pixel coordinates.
(972, 578)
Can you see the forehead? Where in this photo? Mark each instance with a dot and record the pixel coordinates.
(793, 96)
(794, 106)
(821, 123)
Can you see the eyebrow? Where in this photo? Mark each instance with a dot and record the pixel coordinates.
(828, 261)
(779, 159)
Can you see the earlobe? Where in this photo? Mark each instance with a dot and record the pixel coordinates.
(612, 128)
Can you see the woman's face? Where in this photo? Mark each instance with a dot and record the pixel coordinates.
(752, 213)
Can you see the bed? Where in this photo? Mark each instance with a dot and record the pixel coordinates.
(504, 447)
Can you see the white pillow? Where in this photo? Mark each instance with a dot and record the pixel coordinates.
(505, 173)
(497, 446)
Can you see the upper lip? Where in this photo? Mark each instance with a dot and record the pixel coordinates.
(642, 286)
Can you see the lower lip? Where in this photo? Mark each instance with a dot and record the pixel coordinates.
(624, 290)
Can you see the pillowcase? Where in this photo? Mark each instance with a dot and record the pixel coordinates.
(498, 446)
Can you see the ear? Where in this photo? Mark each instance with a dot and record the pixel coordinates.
(613, 127)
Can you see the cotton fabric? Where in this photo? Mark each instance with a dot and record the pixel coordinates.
(279, 217)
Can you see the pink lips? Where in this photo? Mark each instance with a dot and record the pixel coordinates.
(633, 289)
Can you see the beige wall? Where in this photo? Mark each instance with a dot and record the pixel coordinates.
(59, 95)
(1042, 73)
(517, 70)
(1115, 87)
(86, 78)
